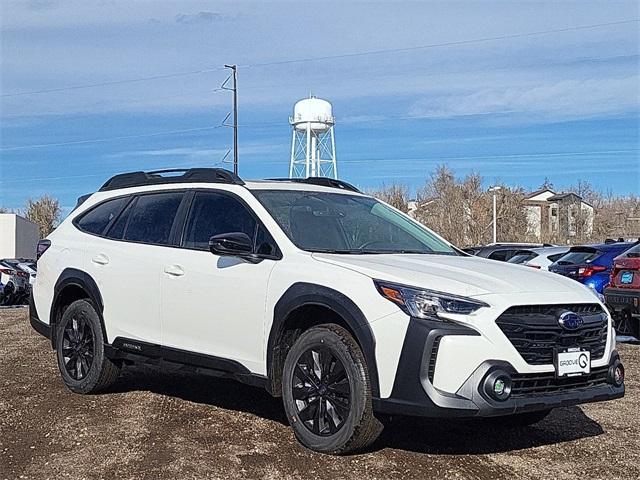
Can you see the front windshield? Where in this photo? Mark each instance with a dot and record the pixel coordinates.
(342, 223)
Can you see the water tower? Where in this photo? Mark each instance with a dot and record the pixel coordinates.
(313, 145)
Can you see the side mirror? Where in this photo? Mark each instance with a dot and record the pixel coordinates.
(234, 244)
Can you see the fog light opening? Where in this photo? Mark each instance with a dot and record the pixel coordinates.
(498, 385)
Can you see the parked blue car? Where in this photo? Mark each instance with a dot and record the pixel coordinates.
(590, 264)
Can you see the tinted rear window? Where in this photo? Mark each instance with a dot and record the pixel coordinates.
(578, 257)
(633, 251)
(502, 255)
(555, 257)
(151, 218)
(522, 257)
(97, 219)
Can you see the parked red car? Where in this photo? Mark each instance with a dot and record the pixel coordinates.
(622, 296)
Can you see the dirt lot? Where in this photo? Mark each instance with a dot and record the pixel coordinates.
(157, 424)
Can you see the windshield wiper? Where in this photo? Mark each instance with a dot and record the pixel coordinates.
(337, 251)
(360, 251)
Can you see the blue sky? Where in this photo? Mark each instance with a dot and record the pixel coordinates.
(516, 108)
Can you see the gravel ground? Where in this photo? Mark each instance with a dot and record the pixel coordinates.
(161, 424)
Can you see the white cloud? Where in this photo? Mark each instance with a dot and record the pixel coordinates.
(83, 42)
(197, 153)
(558, 99)
(201, 18)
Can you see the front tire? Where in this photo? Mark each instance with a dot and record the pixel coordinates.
(83, 364)
(327, 392)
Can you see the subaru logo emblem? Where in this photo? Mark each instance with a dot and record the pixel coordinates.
(570, 320)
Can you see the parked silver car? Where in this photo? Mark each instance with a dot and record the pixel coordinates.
(15, 282)
(539, 258)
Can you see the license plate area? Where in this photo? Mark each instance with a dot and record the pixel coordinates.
(626, 278)
(572, 362)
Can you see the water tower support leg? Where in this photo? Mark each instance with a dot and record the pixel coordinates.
(333, 155)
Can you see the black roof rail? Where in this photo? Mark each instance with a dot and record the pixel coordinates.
(320, 181)
(157, 177)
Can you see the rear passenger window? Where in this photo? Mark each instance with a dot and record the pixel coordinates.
(151, 218)
(97, 219)
(553, 258)
(502, 255)
(212, 214)
(116, 231)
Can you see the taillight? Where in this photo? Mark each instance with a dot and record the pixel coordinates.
(43, 246)
(22, 274)
(8, 271)
(590, 270)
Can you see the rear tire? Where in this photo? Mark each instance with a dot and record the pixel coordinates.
(80, 350)
(327, 393)
(627, 325)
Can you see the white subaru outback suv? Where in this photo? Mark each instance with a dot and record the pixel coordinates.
(338, 303)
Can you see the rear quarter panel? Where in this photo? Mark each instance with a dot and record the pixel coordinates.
(67, 250)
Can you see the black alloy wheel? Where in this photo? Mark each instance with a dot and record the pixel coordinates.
(326, 391)
(321, 391)
(80, 350)
(78, 347)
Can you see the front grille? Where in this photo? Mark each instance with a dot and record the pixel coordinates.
(548, 384)
(432, 358)
(535, 332)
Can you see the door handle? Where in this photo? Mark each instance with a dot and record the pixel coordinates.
(174, 270)
(100, 259)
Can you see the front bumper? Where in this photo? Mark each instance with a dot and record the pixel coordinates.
(414, 392)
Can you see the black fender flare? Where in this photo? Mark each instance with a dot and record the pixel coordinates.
(77, 278)
(303, 294)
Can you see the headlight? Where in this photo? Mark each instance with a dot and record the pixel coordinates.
(427, 304)
(595, 292)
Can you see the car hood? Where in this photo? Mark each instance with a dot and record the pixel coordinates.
(459, 275)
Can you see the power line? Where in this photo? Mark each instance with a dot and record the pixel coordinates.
(108, 139)
(113, 82)
(128, 102)
(436, 45)
(490, 157)
(326, 57)
(372, 160)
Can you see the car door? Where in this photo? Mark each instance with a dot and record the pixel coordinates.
(126, 263)
(211, 304)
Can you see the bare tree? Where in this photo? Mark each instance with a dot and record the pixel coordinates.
(547, 184)
(395, 195)
(462, 211)
(45, 212)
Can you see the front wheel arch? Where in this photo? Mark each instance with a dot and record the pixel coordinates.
(323, 305)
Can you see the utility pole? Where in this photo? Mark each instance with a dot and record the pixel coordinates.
(495, 216)
(234, 73)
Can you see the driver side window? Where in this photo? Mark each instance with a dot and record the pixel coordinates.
(214, 213)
